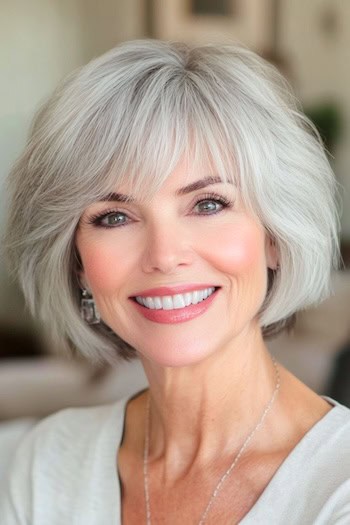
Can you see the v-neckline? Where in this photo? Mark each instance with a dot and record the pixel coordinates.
(262, 501)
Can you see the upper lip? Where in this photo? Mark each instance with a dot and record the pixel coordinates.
(173, 289)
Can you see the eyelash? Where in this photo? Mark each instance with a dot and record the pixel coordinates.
(97, 219)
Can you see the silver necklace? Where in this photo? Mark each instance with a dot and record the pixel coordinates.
(228, 471)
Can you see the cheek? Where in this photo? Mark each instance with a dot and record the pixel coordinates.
(104, 265)
(239, 250)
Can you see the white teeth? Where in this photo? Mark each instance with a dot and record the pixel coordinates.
(149, 302)
(179, 301)
(157, 303)
(173, 302)
(188, 298)
(195, 297)
(167, 302)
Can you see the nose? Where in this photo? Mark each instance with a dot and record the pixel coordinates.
(167, 247)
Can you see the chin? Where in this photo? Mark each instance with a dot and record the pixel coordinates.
(178, 355)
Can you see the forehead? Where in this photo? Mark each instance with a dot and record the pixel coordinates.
(186, 178)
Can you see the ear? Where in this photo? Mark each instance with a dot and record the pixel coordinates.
(83, 281)
(80, 273)
(271, 250)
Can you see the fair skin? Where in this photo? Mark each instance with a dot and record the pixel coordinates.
(210, 377)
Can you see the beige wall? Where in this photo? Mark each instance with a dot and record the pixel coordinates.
(107, 22)
(40, 42)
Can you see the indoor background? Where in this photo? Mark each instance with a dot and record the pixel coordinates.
(42, 41)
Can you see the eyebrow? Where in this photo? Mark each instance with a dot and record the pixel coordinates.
(198, 185)
(194, 186)
(116, 197)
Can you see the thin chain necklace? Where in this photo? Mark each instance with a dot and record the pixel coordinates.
(228, 471)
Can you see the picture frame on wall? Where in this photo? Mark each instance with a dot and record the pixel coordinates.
(213, 7)
(215, 21)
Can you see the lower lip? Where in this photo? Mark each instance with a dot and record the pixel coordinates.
(179, 315)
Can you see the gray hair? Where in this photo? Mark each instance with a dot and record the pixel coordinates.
(130, 115)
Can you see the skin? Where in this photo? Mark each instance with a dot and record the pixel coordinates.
(210, 378)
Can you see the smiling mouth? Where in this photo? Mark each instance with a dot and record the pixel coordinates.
(177, 301)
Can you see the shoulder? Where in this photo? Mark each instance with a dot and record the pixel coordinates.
(337, 428)
(53, 462)
(71, 431)
(72, 420)
(323, 465)
(312, 485)
(326, 447)
(75, 427)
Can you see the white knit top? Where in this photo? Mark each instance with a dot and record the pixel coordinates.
(64, 473)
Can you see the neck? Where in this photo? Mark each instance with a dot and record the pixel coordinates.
(200, 411)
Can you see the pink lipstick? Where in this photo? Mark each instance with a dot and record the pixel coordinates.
(178, 315)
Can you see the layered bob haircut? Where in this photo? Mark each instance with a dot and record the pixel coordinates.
(130, 116)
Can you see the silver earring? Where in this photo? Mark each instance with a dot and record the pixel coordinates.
(88, 309)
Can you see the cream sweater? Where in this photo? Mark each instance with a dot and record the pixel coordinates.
(64, 473)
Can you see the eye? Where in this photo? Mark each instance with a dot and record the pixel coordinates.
(109, 219)
(212, 204)
(113, 219)
(208, 206)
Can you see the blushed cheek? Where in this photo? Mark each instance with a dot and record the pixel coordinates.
(104, 269)
(239, 250)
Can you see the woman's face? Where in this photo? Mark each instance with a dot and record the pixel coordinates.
(182, 240)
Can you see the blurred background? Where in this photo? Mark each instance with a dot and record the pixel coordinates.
(41, 42)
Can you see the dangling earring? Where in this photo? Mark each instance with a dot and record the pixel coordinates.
(88, 309)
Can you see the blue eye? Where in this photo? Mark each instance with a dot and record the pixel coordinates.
(109, 219)
(208, 206)
(113, 219)
(212, 204)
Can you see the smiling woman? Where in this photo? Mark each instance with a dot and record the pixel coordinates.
(214, 243)
(173, 205)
